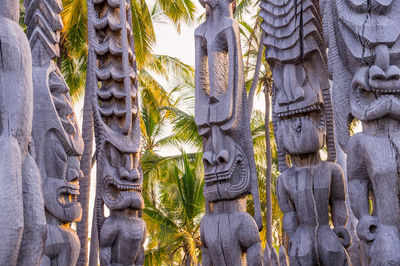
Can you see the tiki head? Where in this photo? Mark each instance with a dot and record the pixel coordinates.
(58, 143)
(301, 84)
(221, 107)
(298, 103)
(220, 5)
(364, 58)
(122, 176)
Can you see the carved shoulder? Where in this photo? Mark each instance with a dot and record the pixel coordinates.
(200, 30)
(54, 241)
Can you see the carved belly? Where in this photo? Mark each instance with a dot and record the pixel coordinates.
(219, 232)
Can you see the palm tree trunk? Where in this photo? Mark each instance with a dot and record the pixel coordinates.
(269, 169)
(86, 161)
(256, 75)
(86, 167)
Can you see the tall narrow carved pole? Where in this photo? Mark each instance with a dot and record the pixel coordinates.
(309, 190)
(113, 81)
(23, 226)
(363, 38)
(58, 142)
(268, 179)
(222, 117)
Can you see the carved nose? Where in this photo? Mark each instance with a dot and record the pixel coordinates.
(132, 175)
(208, 158)
(377, 74)
(74, 175)
(391, 74)
(222, 157)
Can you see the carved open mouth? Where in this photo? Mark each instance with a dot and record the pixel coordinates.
(68, 195)
(115, 191)
(301, 111)
(234, 175)
(387, 91)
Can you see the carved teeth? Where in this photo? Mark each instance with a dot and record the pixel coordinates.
(223, 176)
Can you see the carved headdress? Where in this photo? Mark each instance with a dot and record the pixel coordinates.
(358, 32)
(296, 52)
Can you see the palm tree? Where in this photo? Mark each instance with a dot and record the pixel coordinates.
(174, 223)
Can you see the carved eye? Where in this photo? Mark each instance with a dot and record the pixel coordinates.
(60, 152)
(128, 161)
(113, 156)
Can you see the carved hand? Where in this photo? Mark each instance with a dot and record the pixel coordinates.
(343, 235)
(379, 108)
(367, 228)
(395, 108)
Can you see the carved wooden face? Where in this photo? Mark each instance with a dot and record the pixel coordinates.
(61, 184)
(369, 47)
(122, 181)
(226, 169)
(302, 134)
(369, 5)
(297, 86)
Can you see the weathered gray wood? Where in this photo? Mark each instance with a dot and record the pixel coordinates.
(112, 74)
(222, 117)
(58, 142)
(23, 226)
(311, 192)
(364, 51)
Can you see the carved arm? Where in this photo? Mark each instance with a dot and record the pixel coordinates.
(339, 210)
(358, 179)
(286, 205)
(108, 234)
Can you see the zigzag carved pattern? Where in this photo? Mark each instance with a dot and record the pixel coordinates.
(116, 66)
(44, 23)
(293, 28)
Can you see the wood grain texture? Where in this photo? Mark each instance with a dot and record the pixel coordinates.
(22, 229)
(229, 234)
(363, 39)
(112, 68)
(311, 192)
(58, 142)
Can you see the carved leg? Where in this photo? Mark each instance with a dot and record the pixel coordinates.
(140, 258)
(254, 256)
(206, 257)
(302, 247)
(330, 250)
(105, 256)
(46, 261)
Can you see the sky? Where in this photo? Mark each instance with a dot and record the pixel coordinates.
(181, 45)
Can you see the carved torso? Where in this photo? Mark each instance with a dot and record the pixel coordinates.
(308, 189)
(228, 232)
(306, 195)
(124, 237)
(62, 246)
(380, 172)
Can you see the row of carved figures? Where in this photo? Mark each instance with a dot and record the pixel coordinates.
(330, 218)
(347, 48)
(41, 145)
